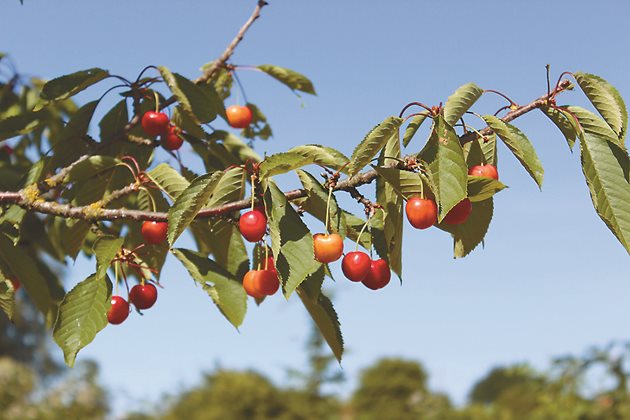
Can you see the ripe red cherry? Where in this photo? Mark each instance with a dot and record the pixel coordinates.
(155, 123)
(15, 283)
(421, 213)
(119, 311)
(251, 284)
(459, 214)
(239, 116)
(143, 296)
(154, 232)
(378, 276)
(172, 140)
(253, 225)
(486, 171)
(327, 248)
(268, 282)
(356, 265)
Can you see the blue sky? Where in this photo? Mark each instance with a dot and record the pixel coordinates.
(551, 279)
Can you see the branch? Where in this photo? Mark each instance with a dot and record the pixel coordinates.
(95, 211)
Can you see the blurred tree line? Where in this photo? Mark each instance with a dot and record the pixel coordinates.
(592, 386)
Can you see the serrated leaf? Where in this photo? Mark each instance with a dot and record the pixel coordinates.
(82, 314)
(405, 183)
(413, 127)
(323, 314)
(481, 188)
(19, 124)
(323, 155)
(467, 235)
(91, 167)
(168, 180)
(281, 163)
(606, 167)
(520, 146)
(565, 123)
(70, 84)
(200, 103)
(292, 79)
(228, 247)
(447, 170)
(189, 203)
(114, 121)
(291, 241)
(489, 149)
(373, 143)
(315, 203)
(226, 292)
(105, 249)
(182, 119)
(608, 102)
(460, 101)
(230, 187)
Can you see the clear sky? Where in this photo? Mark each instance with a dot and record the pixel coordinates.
(551, 280)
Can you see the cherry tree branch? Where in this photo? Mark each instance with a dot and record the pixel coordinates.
(95, 211)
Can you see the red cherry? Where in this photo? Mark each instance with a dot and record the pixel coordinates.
(253, 225)
(15, 283)
(239, 116)
(119, 311)
(251, 284)
(155, 123)
(378, 276)
(143, 296)
(356, 265)
(421, 213)
(327, 248)
(154, 232)
(486, 171)
(7, 149)
(268, 282)
(459, 214)
(172, 140)
(269, 264)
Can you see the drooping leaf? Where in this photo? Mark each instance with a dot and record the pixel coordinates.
(481, 188)
(412, 128)
(489, 149)
(226, 292)
(73, 141)
(565, 123)
(608, 102)
(407, 184)
(292, 79)
(90, 167)
(227, 247)
(520, 146)
(281, 163)
(230, 187)
(315, 203)
(468, 235)
(373, 143)
(183, 119)
(198, 102)
(323, 155)
(606, 167)
(291, 241)
(259, 127)
(189, 203)
(19, 124)
(82, 314)
(168, 180)
(70, 84)
(114, 121)
(105, 249)
(446, 166)
(460, 101)
(7, 297)
(323, 313)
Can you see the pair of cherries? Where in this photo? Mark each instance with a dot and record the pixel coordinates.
(357, 266)
(143, 296)
(422, 212)
(156, 123)
(262, 282)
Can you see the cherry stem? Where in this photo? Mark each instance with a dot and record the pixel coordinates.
(116, 275)
(363, 230)
(330, 190)
(417, 114)
(266, 256)
(133, 173)
(122, 270)
(144, 70)
(502, 95)
(157, 101)
(409, 105)
(240, 86)
(253, 191)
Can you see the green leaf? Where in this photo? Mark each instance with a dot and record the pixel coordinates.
(281, 163)
(19, 124)
(412, 128)
(292, 79)
(326, 319)
(226, 292)
(606, 167)
(489, 149)
(323, 155)
(73, 140)
(520, 146)
(459, 102)
(608, 102)
(90, 167)
(69, 85)
(373, 142)
(468, 235)
(114, 121)
(405, 183)
(168, 180)
(182, 119)
(198, 102)
(189, 203)
(228, 247)
(446, 166)
(315, 203)
(82, 314)
(105, 249)
(230, 187)
(481, 188)
(565, 123)
(291, 241)
(7, 297)
(258, 128)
